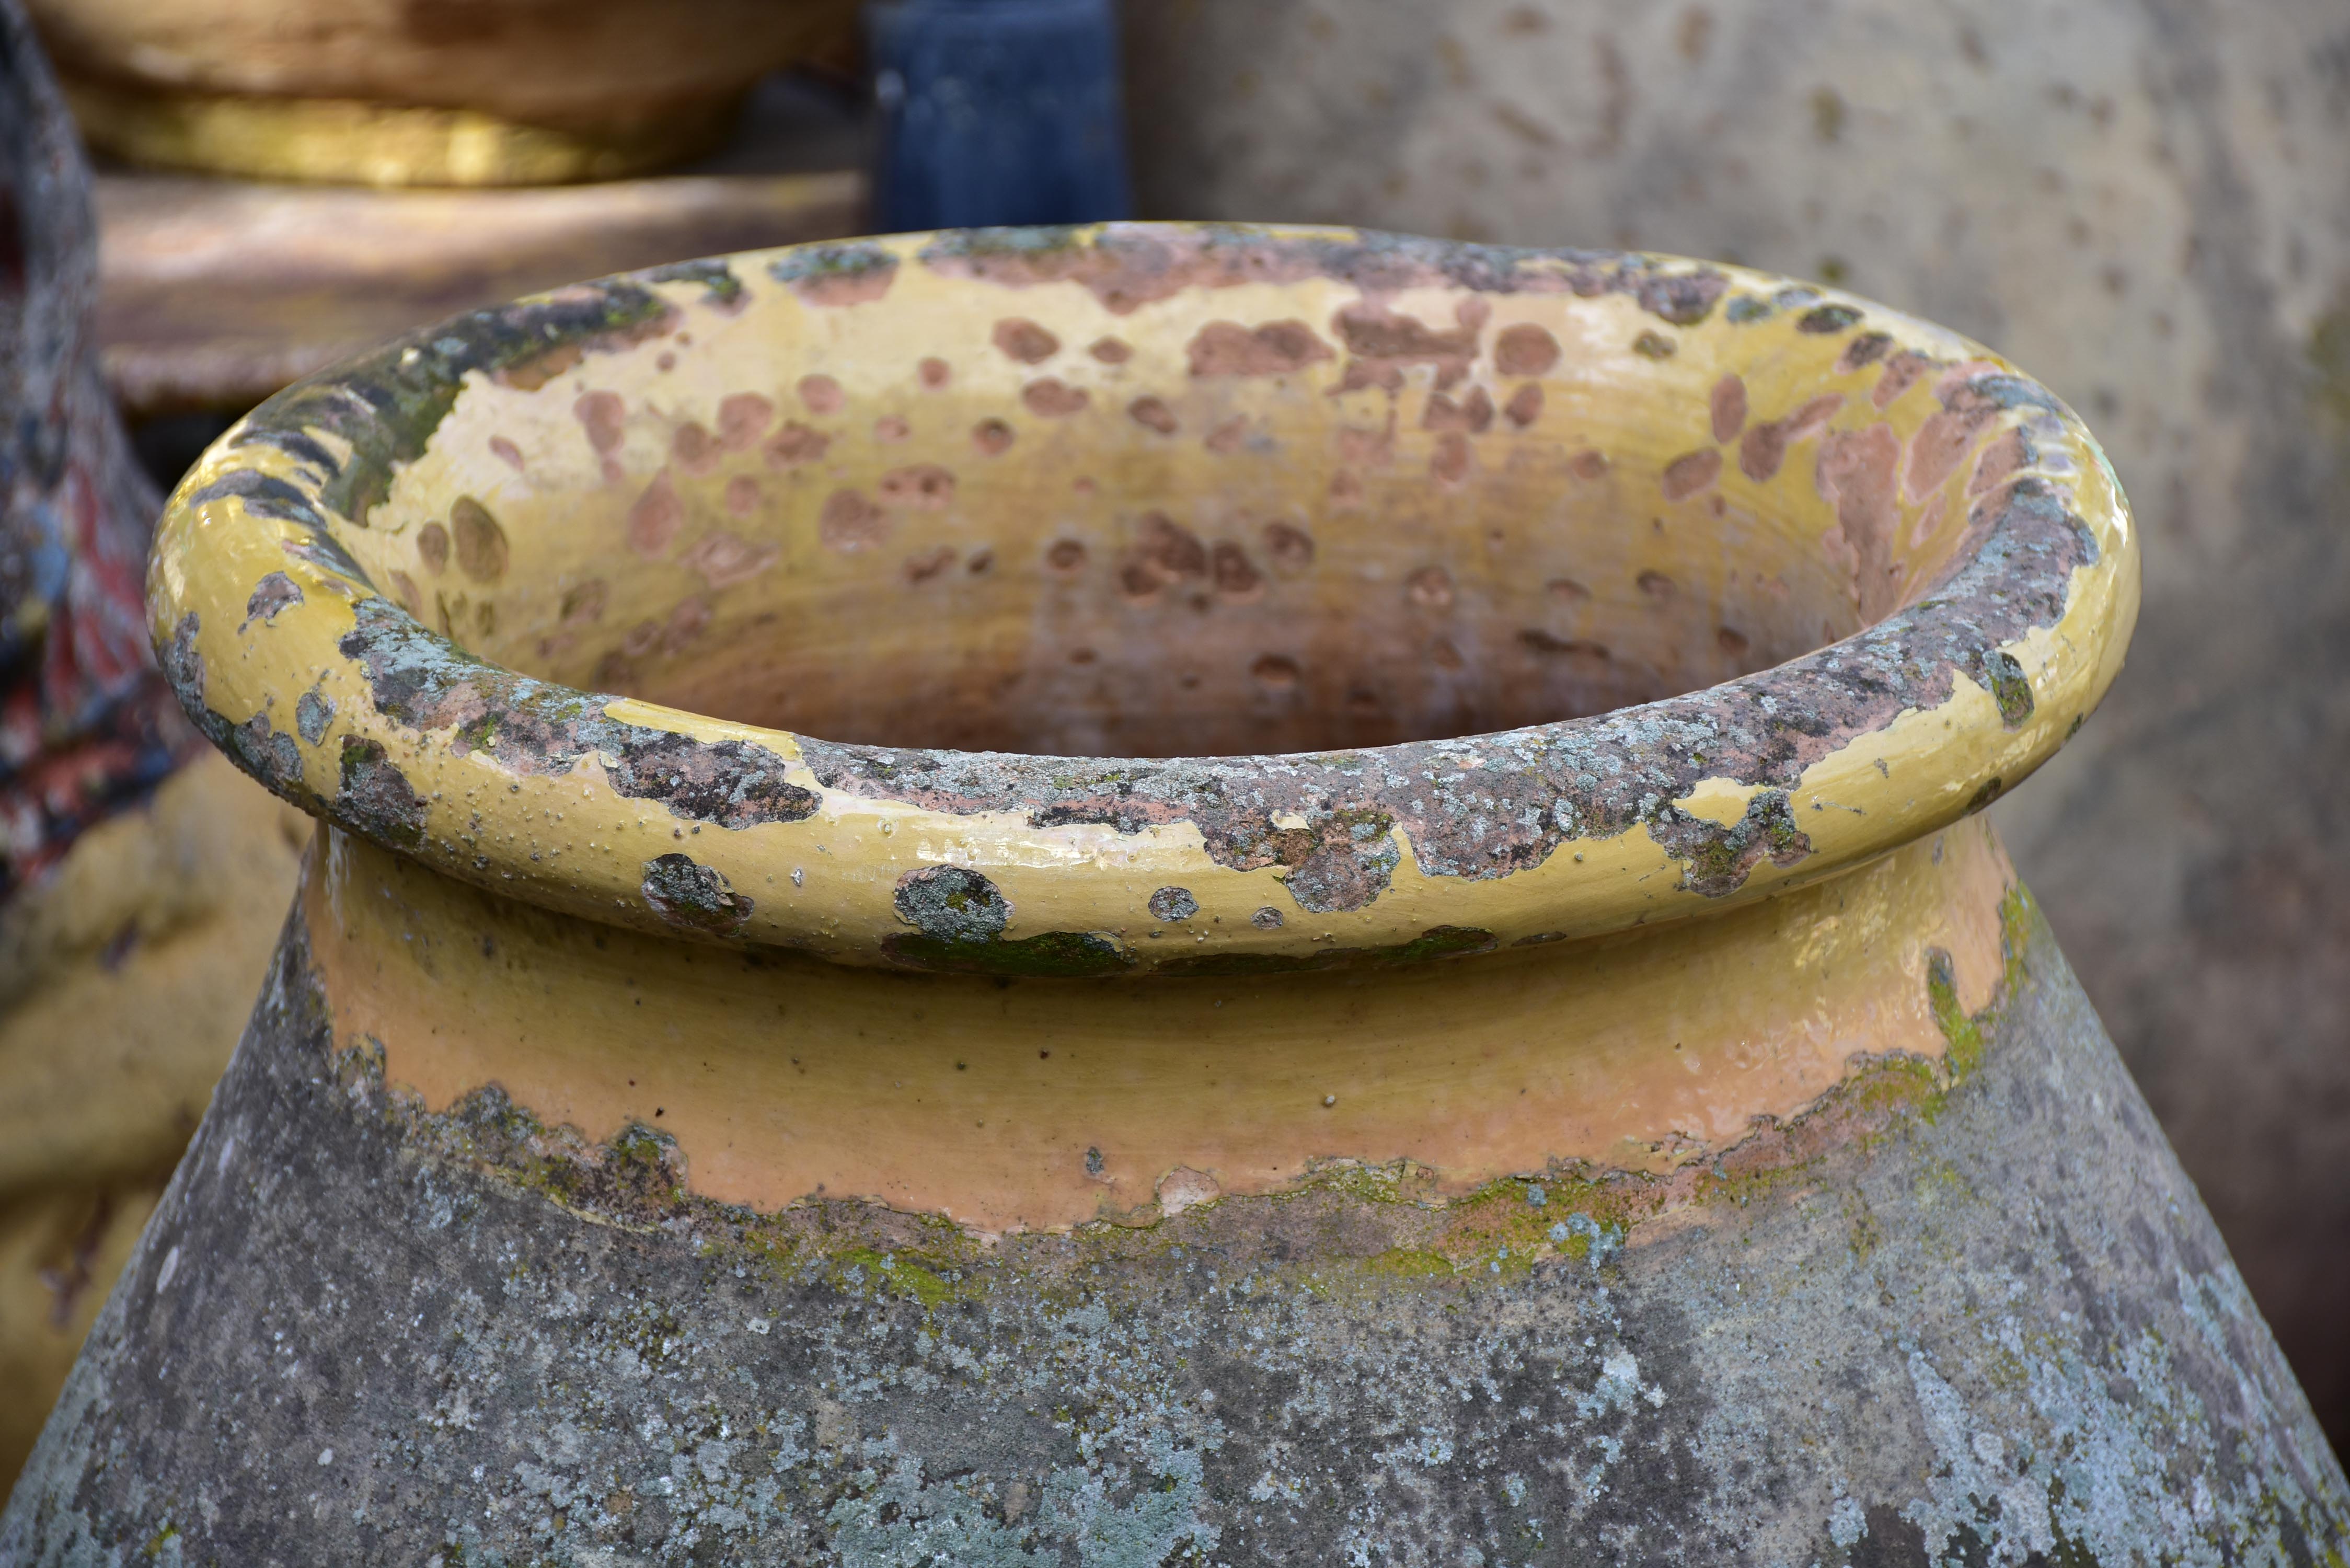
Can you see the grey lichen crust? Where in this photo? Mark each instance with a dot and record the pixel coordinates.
(1998, 1328)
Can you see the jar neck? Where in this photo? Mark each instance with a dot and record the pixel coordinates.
(1043, 1104)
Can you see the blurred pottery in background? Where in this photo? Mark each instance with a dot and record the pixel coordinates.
(215, 293)
(394, 92)
(1601, 1080)
(141, 881)
(2152, 205)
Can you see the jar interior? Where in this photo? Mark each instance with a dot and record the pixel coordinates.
(957, 524)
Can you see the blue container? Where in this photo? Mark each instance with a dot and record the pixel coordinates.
(996, 111)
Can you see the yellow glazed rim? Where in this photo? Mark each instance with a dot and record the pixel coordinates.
(1987, 543)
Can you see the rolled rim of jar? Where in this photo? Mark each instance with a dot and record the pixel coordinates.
(1014, 601)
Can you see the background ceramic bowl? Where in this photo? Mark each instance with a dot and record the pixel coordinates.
(142, 880)
(465, 92)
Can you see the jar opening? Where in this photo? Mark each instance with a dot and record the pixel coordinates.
(991, 528)
(914, 552)
(1148, 621)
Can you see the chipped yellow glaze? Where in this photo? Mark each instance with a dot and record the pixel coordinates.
(660, 516)
(787, 1079)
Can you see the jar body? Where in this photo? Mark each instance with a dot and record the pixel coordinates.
(1342, 1055)
(1959, 1299)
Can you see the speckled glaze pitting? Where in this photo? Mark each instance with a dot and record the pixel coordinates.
(1158, 490)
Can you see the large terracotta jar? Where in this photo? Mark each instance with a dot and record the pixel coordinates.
(1162, 894)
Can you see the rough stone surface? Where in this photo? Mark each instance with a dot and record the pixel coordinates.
(2145, 204)
(1996, 1328)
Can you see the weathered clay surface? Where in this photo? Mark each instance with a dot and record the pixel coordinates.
(1980, 1324)
(2145, 204)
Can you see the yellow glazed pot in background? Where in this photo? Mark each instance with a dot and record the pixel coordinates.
(1234, 888)
(385, 92)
